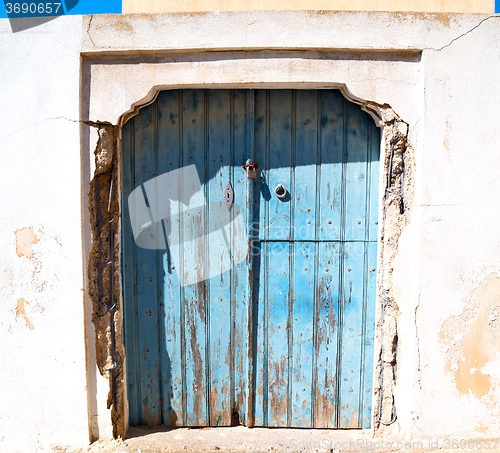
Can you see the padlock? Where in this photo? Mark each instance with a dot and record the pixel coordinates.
(250, 168)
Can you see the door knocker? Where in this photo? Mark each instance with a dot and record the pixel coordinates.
(280, 191)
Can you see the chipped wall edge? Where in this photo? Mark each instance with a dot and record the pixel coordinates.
(104, 270)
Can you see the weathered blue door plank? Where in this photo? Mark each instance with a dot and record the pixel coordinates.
(194, 251)
(352, 333)
(332, 142)
(301, 343)
(260, 258)
(327, 336)
(147, 296)
(373, 187)
(280, 163)
(277, 331)
(129, 279)
(368, 337)
(306, 160)
(219, 170)
(356, 173)
(240, 276)
(169, 127)
(260, 327)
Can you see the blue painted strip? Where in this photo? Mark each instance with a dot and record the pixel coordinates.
(278, 303)
(280, 162)
(195, 295)
(373, 172)
(369, 338)
(260, 255)
(129, 278)
(302, 371)
(221, 352)
(147, 314)
(242, 143)
(352, 317)
(327, 335)
(332, 142)
(171, 366)
(246, 372)
(73, 7)
(305, 166)
(356, 173)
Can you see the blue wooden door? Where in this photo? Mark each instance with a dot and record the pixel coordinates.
(258, 309)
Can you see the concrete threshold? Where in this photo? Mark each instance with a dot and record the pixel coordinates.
(237, 439)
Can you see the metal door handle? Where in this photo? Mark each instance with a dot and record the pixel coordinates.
(280, 191)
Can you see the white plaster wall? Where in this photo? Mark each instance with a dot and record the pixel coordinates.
(459, 235)
(43, 394)
(438, 72)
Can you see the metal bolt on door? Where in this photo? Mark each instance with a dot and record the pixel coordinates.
(269, 322)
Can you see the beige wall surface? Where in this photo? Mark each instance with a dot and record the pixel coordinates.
(436, 6)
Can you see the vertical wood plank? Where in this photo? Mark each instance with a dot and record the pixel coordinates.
(129, 277)
(373, 189)
(356, 173)
(194, 251)
(303, 327)
(281, 125)
(278, 300)
(331, 188)
(352, 333)
(169, 123)
(147, 301)
(370, 274)
(280, 163)
(305, 166)
(260, 325)
(368, 336)
(327, 335)
(243, 187)
(260, 261)
(219, 172)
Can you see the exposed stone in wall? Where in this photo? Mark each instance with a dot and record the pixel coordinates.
(399, 167)
(104, 270)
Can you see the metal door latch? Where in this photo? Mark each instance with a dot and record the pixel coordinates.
(251, 169)
(228, 195)
(280, 191)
